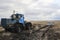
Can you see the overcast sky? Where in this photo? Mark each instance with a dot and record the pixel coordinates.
(32, 9)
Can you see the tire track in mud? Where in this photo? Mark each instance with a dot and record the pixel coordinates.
(49, 35)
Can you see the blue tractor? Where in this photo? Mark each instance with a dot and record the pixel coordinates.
(16, 23)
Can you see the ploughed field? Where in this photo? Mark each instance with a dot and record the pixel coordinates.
(38, 33)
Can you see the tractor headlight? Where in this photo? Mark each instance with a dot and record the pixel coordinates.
(19, 16)
(14, 16)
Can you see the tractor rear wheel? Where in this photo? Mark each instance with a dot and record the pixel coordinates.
(15, 28)
(18, 27)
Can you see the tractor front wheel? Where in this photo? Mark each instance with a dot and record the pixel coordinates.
(28, 25)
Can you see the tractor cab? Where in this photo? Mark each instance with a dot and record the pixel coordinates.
(18, 18)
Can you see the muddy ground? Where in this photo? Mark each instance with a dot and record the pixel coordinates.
(51, 34)
(33, 36)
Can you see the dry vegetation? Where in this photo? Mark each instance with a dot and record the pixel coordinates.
(56, 23)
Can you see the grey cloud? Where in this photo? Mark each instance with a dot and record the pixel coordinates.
(33, 10)
(5, 8)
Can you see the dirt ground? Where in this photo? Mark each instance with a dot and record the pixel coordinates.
(43, 34)
(38, 35)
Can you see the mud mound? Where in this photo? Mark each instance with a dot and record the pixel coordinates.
(42, 34)
(50, 35)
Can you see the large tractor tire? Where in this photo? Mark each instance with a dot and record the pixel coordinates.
(15, 28)
(28, 25)
(18, 27)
